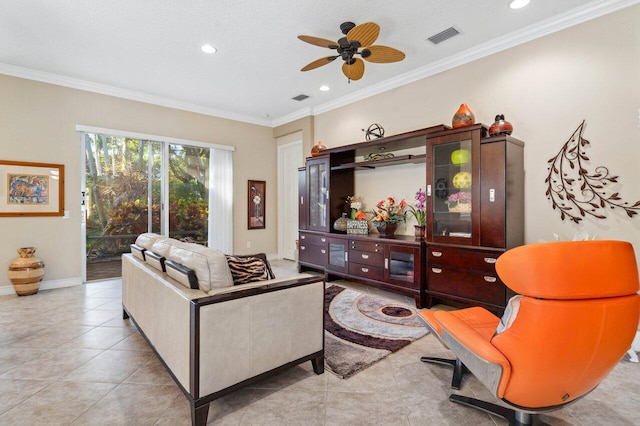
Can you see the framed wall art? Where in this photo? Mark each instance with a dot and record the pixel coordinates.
(31, 189)
(256, 204)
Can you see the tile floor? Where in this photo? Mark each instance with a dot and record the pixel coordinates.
(67, 357)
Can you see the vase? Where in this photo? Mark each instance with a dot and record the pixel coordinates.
(26, 272)
(463, 117)
(387, 230)
(500, 127)
(315, 150)
(341, 223)
(419, 231)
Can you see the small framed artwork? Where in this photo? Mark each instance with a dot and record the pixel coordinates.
(256, 204)
(31, 189)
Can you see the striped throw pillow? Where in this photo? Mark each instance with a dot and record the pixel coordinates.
(247, 269)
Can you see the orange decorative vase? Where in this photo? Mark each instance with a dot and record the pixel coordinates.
(26, 272)
(463, 117)
(317, 148)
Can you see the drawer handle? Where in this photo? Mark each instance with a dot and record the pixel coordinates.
(490, 279)
(436, 270)
(490, 260)
(302, 247)
(302, 237)
(436, 253)
(365, 256)
(386, 263)
(323, 239)
(365, 270)
(323, 251)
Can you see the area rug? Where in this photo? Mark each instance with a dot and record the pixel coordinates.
(361, 329)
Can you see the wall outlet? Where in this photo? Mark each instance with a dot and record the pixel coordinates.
(248, 244)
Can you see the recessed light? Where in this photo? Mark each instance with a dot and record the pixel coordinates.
(517, 4)
(324, 88)
(207, 48)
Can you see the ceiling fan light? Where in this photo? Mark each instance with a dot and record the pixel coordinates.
(517, 4)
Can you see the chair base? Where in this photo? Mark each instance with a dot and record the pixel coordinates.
(458, 368)
(514, 417)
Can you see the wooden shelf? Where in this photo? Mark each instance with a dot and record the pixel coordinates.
(402, 159)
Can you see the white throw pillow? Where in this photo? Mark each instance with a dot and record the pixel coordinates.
(210, 265)
(147, 239)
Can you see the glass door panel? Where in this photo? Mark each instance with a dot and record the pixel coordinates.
(189, 193)
(338, 255)
(400, 265)
(452, 178)
(317, 171)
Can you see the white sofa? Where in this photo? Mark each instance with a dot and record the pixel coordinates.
(216, 341)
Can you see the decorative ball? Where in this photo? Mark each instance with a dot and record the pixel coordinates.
(317, 148)
(375, 131)
(460, 156)
(462, 180)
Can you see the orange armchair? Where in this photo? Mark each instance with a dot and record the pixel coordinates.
(574, 319)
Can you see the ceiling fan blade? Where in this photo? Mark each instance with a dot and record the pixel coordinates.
(365, 34)
(317, 41)
(355, 71)
(382, 54)
(319, 62)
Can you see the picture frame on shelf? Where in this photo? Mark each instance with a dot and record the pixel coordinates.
(256, 204)
(31, 189)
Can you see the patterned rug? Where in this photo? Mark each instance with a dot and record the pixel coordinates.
(361, 329)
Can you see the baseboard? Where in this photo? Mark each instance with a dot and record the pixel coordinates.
(46, 285)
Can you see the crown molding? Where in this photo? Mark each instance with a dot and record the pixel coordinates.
(560, 22)
(104, 89)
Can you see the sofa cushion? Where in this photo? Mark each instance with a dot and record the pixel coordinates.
(147, 239)
(209, 264)
(162, 246)
(247, 269)
(138, 251)
(155, 260)
(185, 276)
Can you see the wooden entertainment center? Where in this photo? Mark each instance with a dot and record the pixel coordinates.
(455, 263)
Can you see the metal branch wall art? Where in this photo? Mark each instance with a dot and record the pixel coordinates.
(575, 191)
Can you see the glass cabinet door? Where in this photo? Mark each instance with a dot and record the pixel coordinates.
(337, 255)
(400, 265)
(317, 172)
(451, 191)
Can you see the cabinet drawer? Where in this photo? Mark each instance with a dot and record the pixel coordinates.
(367, 258)
(366, 246)
(473, 285)
(313, 254)
(483, 261)
(365, 271)
(318, 240)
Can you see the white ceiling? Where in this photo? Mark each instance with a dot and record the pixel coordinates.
(149, 50)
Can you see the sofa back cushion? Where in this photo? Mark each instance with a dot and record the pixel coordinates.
(209, 264)
(147, 239)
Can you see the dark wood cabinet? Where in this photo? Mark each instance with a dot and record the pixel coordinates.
(455, 264)
(465, 238)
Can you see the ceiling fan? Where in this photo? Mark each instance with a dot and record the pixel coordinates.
(358, 40)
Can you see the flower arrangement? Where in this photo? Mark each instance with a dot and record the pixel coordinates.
(419, 210)
(462, 197)
(355, 204)
(387, 211)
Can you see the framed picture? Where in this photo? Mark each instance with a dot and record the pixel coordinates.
(256, 208)
(31, 189)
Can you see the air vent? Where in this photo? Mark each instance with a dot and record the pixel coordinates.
(444, 35)
(300, 98)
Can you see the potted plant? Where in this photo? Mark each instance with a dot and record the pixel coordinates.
(459, 202)
(419, 212)
(387, 215)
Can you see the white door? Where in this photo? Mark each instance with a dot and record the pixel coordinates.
(289, 160)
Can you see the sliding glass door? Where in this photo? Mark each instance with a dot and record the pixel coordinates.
(135, 186)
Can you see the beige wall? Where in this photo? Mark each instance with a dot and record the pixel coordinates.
(38, 122)
(545, 88)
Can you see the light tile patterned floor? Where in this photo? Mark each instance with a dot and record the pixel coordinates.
(67, 357)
